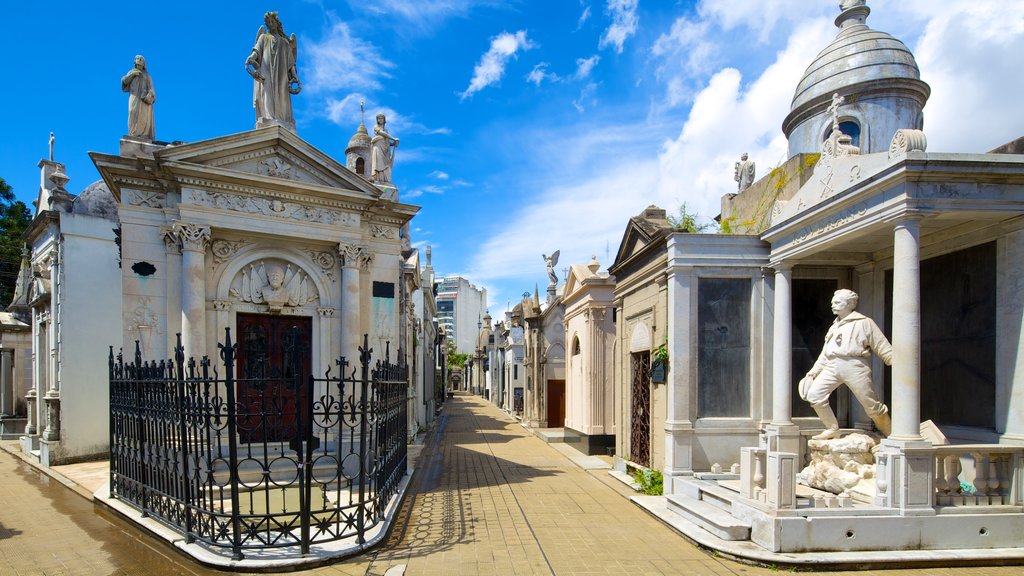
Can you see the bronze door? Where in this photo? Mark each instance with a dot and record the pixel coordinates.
(274, 359)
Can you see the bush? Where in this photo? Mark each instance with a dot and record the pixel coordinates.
(650, 481)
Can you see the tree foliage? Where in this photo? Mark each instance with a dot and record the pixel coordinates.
(455, 359)
(684, 221)
(14, 218)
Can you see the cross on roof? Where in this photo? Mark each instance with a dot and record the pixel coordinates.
(833, 110)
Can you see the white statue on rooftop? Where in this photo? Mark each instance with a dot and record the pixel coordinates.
(141, 97)
(846, 359)
(744, 173)
(383, 148)
(551, 262)
(271, 63)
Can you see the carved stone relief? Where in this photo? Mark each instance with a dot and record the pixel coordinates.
(145, 198)
(225, 249)
(381, 231)
(907, 140)
(192, 236)
(274, 283)
(142, 323)
(276, 168)
(326, 261)
(276, 208)
(355, 256)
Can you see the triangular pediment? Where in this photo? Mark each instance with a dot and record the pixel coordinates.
(272, 154)
(638, 235)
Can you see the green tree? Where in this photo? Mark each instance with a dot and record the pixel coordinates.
(14, 218)
(455, 359)
(686, 222)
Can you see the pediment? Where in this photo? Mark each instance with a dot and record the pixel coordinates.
(832, 176)
(273, 154)
(634, 240)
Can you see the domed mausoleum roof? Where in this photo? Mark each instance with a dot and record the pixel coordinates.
(859, 63)
(96, 200)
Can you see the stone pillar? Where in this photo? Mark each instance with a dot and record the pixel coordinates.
(678, 425)
(906, 332)
(172, 302)
(51, 398)
(782, 434)
(905, 462)
(353, 259)
(8, 390)
(194, 239)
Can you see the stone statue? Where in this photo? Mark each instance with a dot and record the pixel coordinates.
(52, 139)
(551, 261)
(383, 148)
(846, 359)
(141, 97)
(272, 67)
(276, 287)
(744, 172)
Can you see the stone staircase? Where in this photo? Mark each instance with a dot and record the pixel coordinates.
(709, 506)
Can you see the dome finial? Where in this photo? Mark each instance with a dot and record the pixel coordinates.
(852, 12)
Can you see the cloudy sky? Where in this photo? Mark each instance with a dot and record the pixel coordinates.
(526, 126)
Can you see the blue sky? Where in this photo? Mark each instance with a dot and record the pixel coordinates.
(526, 127)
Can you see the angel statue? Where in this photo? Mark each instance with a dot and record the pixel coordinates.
(277, 288)
(272, 67)
(551, 261)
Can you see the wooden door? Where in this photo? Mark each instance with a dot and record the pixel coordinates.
(556, 403)
(274, 358)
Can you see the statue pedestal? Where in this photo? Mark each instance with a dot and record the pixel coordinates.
(841, 465)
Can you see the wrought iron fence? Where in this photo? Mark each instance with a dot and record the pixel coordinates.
(282, 460)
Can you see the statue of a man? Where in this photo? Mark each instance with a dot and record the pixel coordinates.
(551, 262)
(383, 147)
(272, 67)
(744, 172)
(846, 359)
(141, 97)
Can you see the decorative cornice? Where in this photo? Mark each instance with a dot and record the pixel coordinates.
(271, 207)
(252, 191)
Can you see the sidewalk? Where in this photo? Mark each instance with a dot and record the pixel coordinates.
(488, 498)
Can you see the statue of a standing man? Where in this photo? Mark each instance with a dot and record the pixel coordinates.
(744, 172)
(272, 67)
(846, 359)
(141, 97)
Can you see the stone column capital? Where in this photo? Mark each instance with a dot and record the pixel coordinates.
(354, 255)
(194, 237)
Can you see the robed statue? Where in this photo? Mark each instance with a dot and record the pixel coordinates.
(383, 147)
(272, 67)
(141, 97)
(744, 173)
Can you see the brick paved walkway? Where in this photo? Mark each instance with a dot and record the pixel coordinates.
(488, 498)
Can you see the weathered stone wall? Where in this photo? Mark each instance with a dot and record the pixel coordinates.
(750, 211)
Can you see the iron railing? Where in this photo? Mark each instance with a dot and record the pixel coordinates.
(258, 463)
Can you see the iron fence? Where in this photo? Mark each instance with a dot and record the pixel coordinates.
(286, 459)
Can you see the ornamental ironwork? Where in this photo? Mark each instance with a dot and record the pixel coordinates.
(311, 460)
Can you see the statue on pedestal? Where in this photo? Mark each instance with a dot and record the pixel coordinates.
(551, 261)
(272, 67)
(846, 359)
(744, 173)
(141, 97)
(383, 148)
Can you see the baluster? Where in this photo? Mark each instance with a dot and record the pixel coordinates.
(758, 476)
(995, 480)
(941, 487)
(953, 477)
(981, 479)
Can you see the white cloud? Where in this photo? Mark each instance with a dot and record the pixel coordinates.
(584, 66)
(586, 97)
(491, 67)
(624, 23)
(540, 73)
(439, 175)
(421, 15)
(341, 61)
(345, 112)
(583, 17)
(762, 16)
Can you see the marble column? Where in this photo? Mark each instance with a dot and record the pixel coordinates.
(51, 399)
(783, 435)
(905, 461)
(353, 259)
(194, 239)
(906, 332)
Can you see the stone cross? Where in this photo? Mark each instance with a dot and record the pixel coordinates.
(51, 146)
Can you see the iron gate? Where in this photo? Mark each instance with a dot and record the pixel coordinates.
(640, 415)
(177, 451)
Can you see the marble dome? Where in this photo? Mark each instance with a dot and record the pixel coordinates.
(860, 64)
(96, 200)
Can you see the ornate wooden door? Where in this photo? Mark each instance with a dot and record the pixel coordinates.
(274, 358)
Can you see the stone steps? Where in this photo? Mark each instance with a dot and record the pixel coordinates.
(710, 492)
(709, 516)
